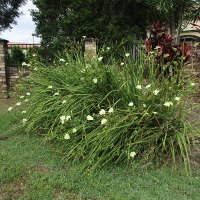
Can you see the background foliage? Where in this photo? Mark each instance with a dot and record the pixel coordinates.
(9, 10)
(115, 20)
(112, 20)
(17, 56)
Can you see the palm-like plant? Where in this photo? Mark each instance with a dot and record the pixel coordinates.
(174, 13)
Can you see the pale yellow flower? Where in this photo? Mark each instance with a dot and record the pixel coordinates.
(148, 86)
(127, 54)
(102, 112)
(168, 104)
(177, 98)
(103, 121)
(90, 118)
(68, 117)
(139, 87)
(67, 137)
(155, 92)
(111, 110)
(24, 121)
(64, 101)
(95, 80)
(132, 154)
(100, 58)
(10, 108)
(74, 130)
(130, 104)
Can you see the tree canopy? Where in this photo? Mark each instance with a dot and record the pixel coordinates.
(9, 11)
(104, 19)
(115, 20)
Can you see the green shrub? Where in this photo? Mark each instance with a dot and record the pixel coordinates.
(109, 113)
(17, 56)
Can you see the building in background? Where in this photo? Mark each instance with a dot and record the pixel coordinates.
(24, 46)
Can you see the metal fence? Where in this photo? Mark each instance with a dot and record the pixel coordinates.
(23, 46)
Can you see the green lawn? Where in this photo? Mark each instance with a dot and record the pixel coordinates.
(30, 170)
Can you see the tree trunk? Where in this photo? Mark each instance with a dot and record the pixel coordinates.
(172, 28)
(179, 31)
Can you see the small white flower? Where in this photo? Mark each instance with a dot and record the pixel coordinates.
(144, 105)
(130, 104)
(18, 104)
(67, 137)
(95, 80)
(62, 118)
(21, 97)
(127, 54)
(26, 100)
(102, 112)
(24, 64)
(35, 68)
(155, 92)
(84, 37)
(62, 60)
(132, 154)
(139, 87)
(90, 118)
(168, 104)
(74, 130)
(50, 87)
(148, 86)
(68, 117)
(122, 64)
(108, 48)
(24, 121)
(100, 58)
(157, 47)
(103, 121)
(64, 101)
(9, 109)
(166, 55)
(34, 55)
(155, 113)
(56, 94)
(192, 84)
(111, 110)
(24, 111)
(177, 98)
(28, 93)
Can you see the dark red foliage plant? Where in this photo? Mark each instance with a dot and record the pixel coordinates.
(196, 26)
(162, 46)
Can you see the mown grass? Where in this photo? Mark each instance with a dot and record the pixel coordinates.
(32, 171)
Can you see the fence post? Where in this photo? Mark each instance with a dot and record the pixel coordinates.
(3, 60)
(90, 48)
